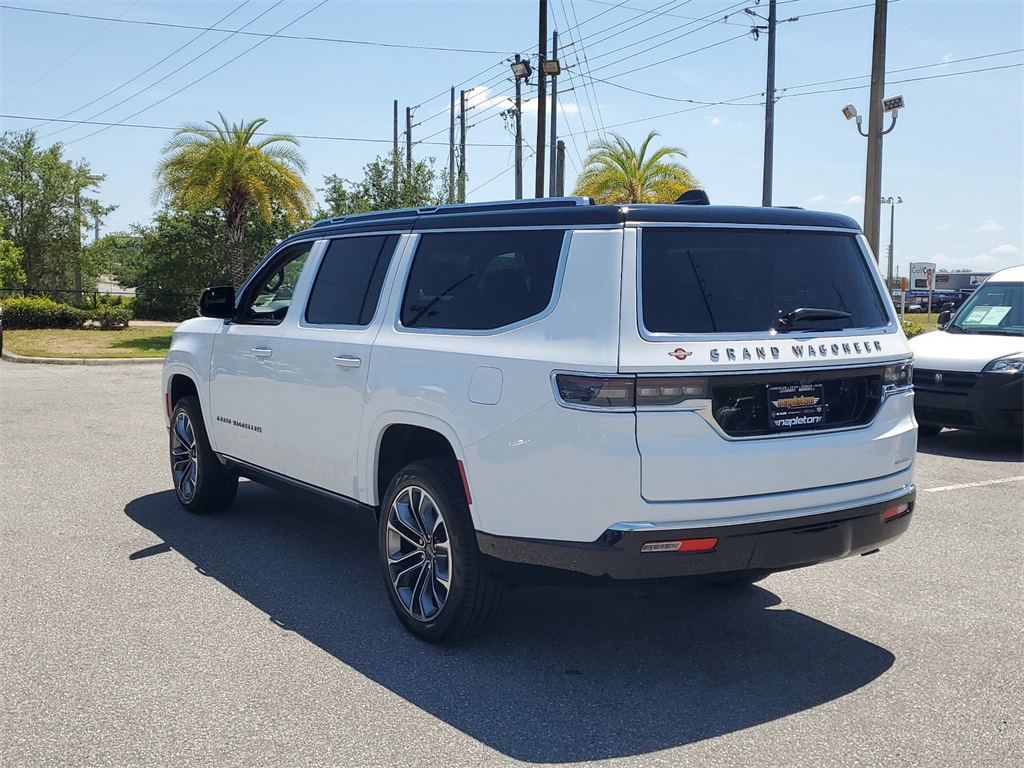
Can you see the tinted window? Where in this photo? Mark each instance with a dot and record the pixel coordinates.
(738, 281)
(480, 280)
(347, 286)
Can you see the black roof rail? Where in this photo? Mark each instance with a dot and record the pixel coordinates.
(694, 197)
(499, 205)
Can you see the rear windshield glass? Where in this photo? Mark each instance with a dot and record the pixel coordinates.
(741, 281)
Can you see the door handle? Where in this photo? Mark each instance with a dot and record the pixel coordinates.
(262, 351)
(347, 361)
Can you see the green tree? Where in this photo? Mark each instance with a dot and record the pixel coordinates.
(386, 185)
(232, 169)
(41, 206)
(614, 172)
(171, 261)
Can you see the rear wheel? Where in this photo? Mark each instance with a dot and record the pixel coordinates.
(436, 580)
(201, 482)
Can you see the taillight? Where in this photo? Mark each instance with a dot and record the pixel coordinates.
(627, 391)
(669, 390)
(596, 391)
(898, 376)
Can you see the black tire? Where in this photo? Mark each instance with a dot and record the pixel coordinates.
(427, 496)
(201, 482)
(928, 430)
(736, 579)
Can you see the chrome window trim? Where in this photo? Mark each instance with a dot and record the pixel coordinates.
(269, 257)
(768, 517)
(890, 328)
(736, 225)
(556, 287)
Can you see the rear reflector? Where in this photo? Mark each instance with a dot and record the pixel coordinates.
(893, 512)
(686, 545)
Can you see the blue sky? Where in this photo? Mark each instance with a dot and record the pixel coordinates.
(956, 156)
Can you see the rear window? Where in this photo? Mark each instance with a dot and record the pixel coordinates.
(481, 280)
(741, 281)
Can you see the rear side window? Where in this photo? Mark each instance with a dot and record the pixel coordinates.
(348, 284)
(739, 281)
(481, 280)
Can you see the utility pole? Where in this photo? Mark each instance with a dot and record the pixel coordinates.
(542, 97)
(560, 178)
(519, 134)
(408, 140)
(769, 112)
(462, 146)
(873, 180)
(892, 202)
(451, 148)
(394, 156)
(554, 119)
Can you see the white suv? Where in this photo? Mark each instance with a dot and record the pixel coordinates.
(524, 389)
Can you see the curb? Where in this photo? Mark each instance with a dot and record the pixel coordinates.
(13, 357)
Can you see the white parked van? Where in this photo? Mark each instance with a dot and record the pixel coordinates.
(970, 374)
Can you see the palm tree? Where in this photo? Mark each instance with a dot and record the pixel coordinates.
(616, 173)
(230, 168)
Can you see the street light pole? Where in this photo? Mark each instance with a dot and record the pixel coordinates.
(892, 203)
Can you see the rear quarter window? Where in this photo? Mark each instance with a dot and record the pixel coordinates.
(739, 281)
(481, 280)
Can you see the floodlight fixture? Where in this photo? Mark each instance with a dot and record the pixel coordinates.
(849, 111)
(522, 69)
(551, 67)
(893, 104)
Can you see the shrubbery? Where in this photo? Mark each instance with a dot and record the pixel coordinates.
(911, 328)
(38, 312)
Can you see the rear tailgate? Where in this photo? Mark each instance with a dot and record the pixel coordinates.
(779, 412)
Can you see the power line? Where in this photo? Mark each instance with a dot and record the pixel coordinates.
(267, 35)
(211, 72)
(169, 74)
(64, 61)
(311, 137)
(580, 50)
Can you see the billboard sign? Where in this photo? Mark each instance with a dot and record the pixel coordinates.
(922, 274)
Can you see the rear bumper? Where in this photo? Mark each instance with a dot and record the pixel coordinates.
(993, 402)
(763, 546)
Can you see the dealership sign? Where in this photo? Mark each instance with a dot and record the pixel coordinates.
(922, 274)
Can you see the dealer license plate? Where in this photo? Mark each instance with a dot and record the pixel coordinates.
(796, 406)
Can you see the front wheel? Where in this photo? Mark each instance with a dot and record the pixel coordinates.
(436, 581)
(201, 482)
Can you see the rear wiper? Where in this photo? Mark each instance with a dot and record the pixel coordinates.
(785, 321)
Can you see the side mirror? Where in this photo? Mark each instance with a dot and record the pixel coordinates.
(218, 302)
(944, 317)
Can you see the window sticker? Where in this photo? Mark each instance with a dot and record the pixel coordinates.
(987, 315)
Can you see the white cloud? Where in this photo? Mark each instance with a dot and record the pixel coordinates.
(855, 200)
(813, 199)
(715, 120)
(1008, 249)
(989, 225)
(947, 58)
(943, 227)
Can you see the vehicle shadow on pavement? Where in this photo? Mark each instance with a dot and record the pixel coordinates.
(564, 675)
(964, 444)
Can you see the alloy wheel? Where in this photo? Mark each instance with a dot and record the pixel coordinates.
(184, 457)
(418, 553)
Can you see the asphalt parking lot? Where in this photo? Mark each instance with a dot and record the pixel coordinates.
(135, 634)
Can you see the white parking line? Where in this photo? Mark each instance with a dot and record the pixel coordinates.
(973, 485)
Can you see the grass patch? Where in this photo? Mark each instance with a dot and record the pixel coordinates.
(132, 342)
